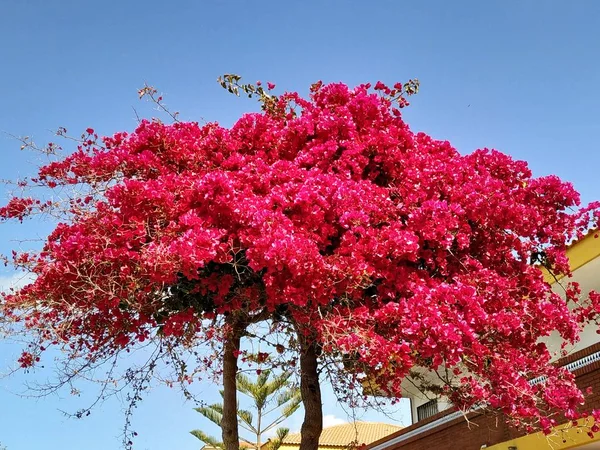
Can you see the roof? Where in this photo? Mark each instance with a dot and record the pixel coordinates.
(243, 445)
(342, 435)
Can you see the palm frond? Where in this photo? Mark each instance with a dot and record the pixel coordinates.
(278, 393)
(245, 385)
(255, 390)
(262, 379)
(289, 409)
(208, 440)
(289, 400)
(279, 382)
(287, 395)
(214, 413)
(246, 418)
(280, 435)
(282, 432)
(292, 406)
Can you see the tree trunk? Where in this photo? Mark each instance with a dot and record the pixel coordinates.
(229, 422)
(258, 428)
(310, 389)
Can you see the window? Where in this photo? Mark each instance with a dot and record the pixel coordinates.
(427, 409)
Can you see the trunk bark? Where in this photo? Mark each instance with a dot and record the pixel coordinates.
(229, 422)
(258, 427)
(231, 350)
(310, 390)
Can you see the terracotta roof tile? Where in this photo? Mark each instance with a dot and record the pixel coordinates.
(342, 435)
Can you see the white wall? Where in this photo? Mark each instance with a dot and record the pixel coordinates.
(588, 276)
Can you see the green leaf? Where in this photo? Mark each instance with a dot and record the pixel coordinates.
(208, 440)
(214, 413)
(246, 418)
(265, 389)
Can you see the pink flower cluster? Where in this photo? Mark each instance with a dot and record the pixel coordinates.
(391, 244)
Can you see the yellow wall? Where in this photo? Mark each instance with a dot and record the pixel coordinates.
(572, 437)
(289, 447)
(296, 447)
(580, 253)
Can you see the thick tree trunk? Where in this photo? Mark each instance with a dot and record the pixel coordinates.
(310, 389)
(229, 422)
(231, 349)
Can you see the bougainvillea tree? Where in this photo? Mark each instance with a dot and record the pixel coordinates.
(378, 244)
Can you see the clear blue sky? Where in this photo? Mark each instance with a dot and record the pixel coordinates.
(521, 76)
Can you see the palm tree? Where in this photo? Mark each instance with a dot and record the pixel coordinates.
(268, 396)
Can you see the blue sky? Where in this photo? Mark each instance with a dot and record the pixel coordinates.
(517, 75)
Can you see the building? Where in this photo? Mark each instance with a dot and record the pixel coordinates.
(437, 425)
(340, 437)
(243, 446)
